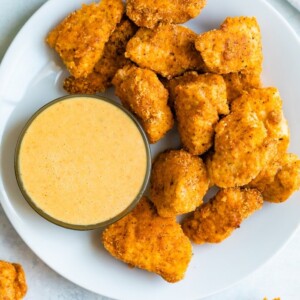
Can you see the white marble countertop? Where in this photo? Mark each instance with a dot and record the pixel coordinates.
(280, 277)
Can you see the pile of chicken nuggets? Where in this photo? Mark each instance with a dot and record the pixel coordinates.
(233, 131)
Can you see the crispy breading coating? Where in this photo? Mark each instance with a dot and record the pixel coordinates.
(148, 13)
(167, 50)
(145, 240)
(249, 138)
(242, 149)
(171, 85)
(234, 47)
(198, 105)
(80, 38)
(179, 182)
(280, 179)
(142, 93)
(267, 105)
(113, 59)
(216, 220)
(239, 82)
(12, 281)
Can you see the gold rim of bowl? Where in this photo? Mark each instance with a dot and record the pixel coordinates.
(75, 226)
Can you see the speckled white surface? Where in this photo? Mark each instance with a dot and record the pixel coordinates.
(295, 3)
(280, 277)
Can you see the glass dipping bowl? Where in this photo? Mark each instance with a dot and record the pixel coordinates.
(33, 125)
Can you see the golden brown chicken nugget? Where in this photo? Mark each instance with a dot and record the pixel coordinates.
(234, 47)
(242, 149)
(12, 281)
(179, 182)
(148, 13)
(167, 50)
(171, 84)
(80, 38)
(145, 240)
(216, 220)
(239, 82)
(249, 138)
(113, 59)
(280, 179)
(198, 105)
(142, 93)
(267, 105)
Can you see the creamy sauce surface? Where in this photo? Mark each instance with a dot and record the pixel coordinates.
(82, 161)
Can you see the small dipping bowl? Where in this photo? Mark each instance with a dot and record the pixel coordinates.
(82, 162)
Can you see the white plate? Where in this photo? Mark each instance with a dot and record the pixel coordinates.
(31, 75)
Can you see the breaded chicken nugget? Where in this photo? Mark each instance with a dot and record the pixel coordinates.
(113, 59)
(145, 240)
(242, 149)
(167, 50)
(234, 47)
(267, 105)
(148, 13)
(179, 182)
(142, 93)
(216, 220)
(80, 38)
(171, 84)
(12, 281)
(239, 82)
(279, 179)
(198, 105)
